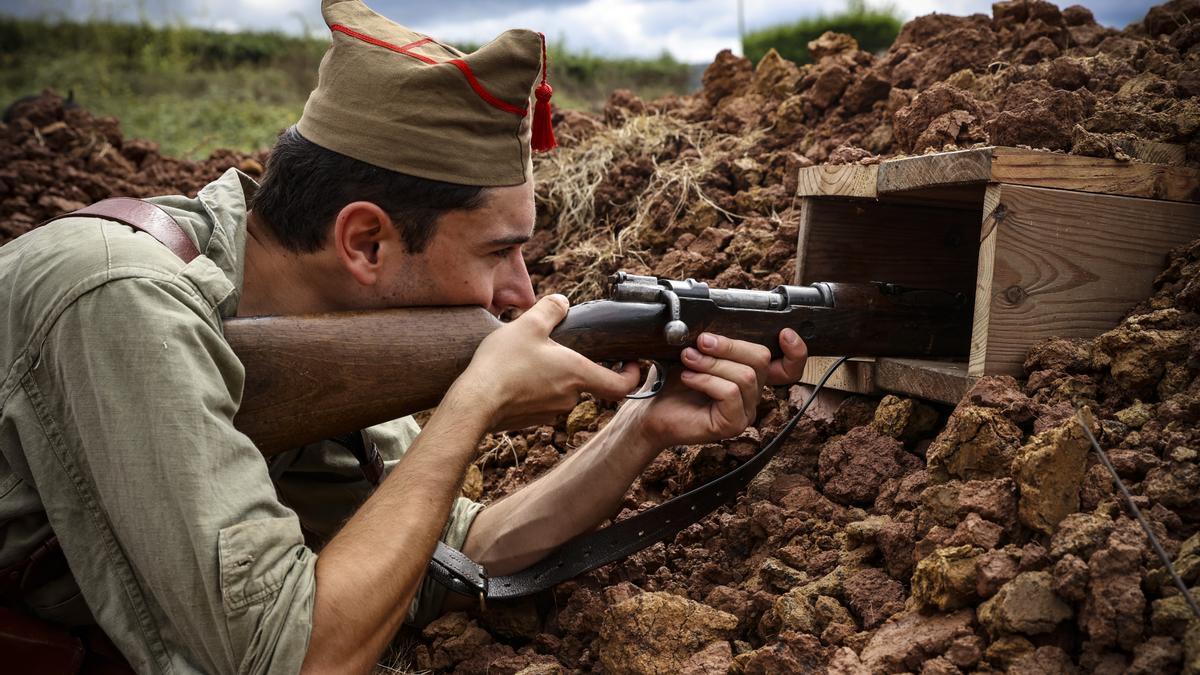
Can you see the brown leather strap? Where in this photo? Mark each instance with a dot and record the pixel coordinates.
(145, 217)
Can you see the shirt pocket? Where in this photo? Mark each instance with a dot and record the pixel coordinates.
(256, 556)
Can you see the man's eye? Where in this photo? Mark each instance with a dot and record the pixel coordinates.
(503, 253)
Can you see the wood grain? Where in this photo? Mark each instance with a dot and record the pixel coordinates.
(856, 375)
(1067, 264)
(1094, 174)
(939, 169)
(837, 180)
(1045, 169)
(944, 381)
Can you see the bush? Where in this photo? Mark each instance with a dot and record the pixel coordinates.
(875, 30)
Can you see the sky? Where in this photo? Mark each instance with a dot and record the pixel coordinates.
(690, 30)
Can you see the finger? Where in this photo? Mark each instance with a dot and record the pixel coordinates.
(788, 369)
(754, 355)
(727, 413)
(742, 375)
(604, 383)
(546, 313)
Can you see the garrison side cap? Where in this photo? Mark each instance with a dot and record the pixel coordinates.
(400, 100)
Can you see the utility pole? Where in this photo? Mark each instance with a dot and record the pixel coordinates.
(741, 11)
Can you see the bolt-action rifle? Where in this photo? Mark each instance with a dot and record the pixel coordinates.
(315, 377)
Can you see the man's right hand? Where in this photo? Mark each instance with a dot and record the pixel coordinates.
(522, 377)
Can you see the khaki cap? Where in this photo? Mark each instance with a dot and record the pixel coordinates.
(400, 100)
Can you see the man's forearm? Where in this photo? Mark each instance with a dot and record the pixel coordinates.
(368, 574)
(582, 490)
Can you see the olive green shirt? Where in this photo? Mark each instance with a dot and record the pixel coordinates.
(117, 397)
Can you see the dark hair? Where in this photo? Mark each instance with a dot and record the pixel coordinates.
(305, 185)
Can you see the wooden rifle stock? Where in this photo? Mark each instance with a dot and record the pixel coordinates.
(314, 377)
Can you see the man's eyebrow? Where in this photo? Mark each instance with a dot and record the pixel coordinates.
(510, 240)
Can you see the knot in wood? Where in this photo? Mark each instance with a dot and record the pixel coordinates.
(1015, 295)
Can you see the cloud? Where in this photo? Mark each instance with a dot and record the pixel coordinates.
(691, 30)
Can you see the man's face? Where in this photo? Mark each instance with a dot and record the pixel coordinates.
(473, 258)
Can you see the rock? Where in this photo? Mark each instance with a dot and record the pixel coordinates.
(912, 638)
(774, 76)
(1025, 605)
(1049, 471)
(1135, 416)
(873, 596)
(792, 653)
(1003, 393)
(583, 417)
(1071, 578)
(1068, 355)
(993, 569)
(846, 662)
(1157, 655)
(1136, 356)
(716, 657)
(1187, 566)
(653, 632)
(975, 531)
(905, 419)
(938, 116)
(1006, 650)
(939, 666)
(472, 487)
(1080, 534)
(831, 44)
(1047, 660)
(895, 541)
(809, 609)
(965, 652)
(854, 466)
(946, 578)
(1191, 649)
(976, 443)
(1112, 614)
(854, 411)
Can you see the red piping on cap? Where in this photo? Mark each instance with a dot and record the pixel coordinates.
(482, 92)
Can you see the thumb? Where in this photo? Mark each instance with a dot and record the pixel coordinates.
(546, 313)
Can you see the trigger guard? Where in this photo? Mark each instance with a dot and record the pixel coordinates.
(659, 381)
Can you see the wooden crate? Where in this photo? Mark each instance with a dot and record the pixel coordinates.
(1047, 244)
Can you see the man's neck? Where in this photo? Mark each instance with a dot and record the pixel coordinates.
(276, 281)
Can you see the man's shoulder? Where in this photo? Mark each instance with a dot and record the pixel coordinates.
(64, 262)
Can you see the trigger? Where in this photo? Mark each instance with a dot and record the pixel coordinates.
(660, 379)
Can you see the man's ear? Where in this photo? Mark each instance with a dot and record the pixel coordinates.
(359, 231)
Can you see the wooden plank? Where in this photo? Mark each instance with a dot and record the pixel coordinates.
(944, 381)
(985, 267)
(856, 375)
(1095, 174)
(1039, 168)
(837, 180)
(865, 241)
(937, 169)
(1068, 264)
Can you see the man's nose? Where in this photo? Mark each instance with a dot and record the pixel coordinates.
(514, 292)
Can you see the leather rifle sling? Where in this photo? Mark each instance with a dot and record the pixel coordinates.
(460, 574)
(144, 217)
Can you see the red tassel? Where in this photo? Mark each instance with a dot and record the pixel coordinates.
(543, 129)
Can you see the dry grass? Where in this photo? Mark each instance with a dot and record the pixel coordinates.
(574, 174)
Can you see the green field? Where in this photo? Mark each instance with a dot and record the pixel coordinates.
(194, 90)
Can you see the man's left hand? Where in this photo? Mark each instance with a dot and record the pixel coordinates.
(716, 394)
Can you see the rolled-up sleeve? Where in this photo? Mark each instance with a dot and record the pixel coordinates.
(166, 512)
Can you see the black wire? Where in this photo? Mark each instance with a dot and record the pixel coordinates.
(1137, 513)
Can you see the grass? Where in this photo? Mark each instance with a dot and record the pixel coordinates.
(193, 90)
(875, 30)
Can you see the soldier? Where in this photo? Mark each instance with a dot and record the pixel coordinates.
(407, 181)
